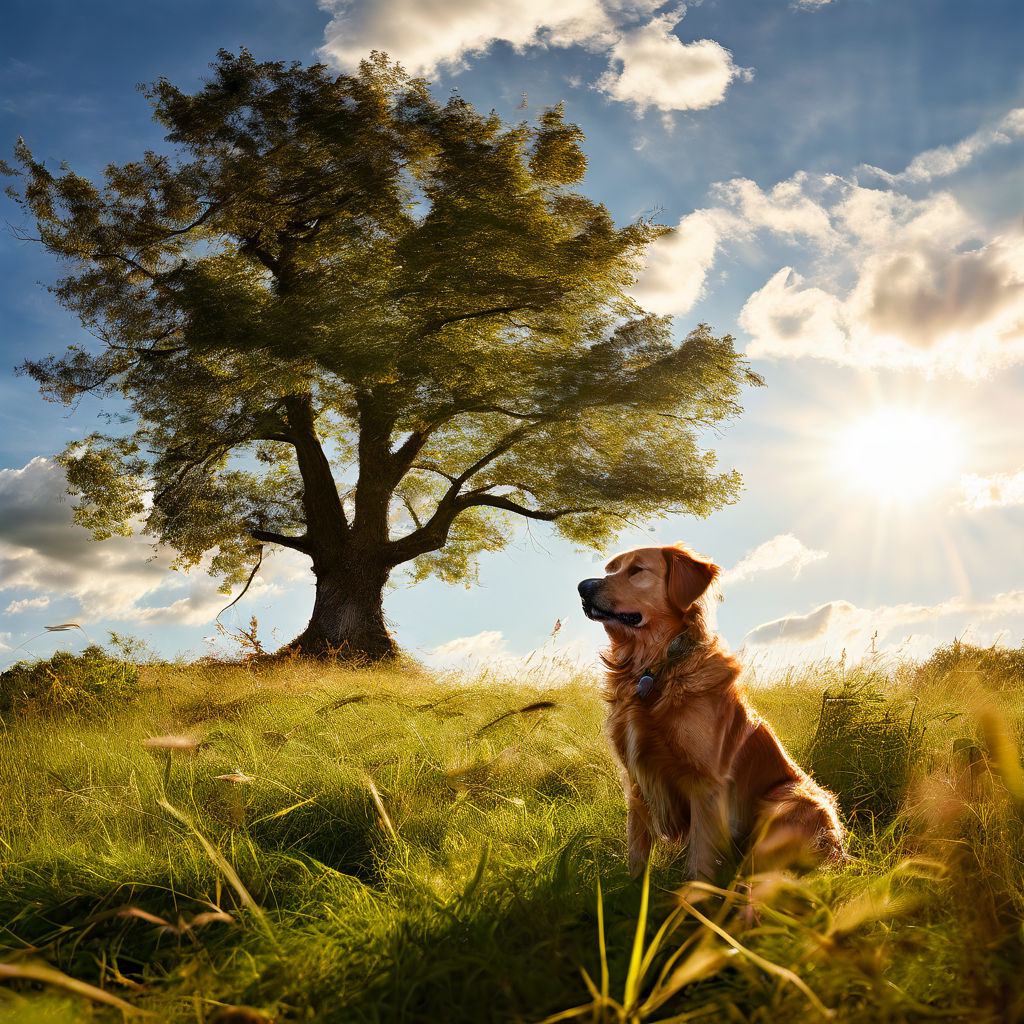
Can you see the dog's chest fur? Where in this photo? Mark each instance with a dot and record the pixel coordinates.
(673, 753)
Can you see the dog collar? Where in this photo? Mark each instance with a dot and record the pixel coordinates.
(678, 648)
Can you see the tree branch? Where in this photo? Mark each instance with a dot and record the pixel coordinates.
(403, 457)
(250, 245)
(325, 516)
(245, 589)
(134, 264)
(496, 501)
(534, 416)
(172, 232)
(496, 452)
(412, 512)
(412, 446)
(267, 436)
(434, 326)
(434, 532)
(431, 468)
(269, 537)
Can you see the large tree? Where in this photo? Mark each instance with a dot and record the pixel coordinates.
(353, 321)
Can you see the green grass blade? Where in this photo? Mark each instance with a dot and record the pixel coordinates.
(478, 874)
(283, 812)
(765, 965)
(47, 975)
(379, 803)
(652, 950)
(634, 976)
(602, 944)
(222, 863)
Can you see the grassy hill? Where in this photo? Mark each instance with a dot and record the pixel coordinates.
(288, 841)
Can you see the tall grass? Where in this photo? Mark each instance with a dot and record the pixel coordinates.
(314, 843)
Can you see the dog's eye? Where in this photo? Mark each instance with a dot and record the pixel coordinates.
(636, 569)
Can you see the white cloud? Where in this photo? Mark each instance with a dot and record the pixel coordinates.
(425, 35)
(911, 283)
(839, 625)
(782, 550)
(946, 160)
(786, 209)
(650, 66)
(29, 604)
(675, 276)
(560, 658)
(787, 319)
(800, 629)
(921, 307)
(996, 491)
(877, 218)
(891, 281)
(42, 550)
(927, 295)
(677, 265)
(481, 646)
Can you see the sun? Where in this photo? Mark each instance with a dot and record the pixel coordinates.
(899, 455)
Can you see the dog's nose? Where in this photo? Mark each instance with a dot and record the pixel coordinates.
(588, 588)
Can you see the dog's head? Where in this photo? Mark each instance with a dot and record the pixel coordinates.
(647, 587)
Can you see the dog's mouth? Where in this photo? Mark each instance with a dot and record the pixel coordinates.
(594, 611)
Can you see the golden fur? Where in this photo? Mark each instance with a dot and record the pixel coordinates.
(699, 765)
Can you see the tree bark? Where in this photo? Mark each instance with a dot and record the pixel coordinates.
(348, 612)
(348, 615)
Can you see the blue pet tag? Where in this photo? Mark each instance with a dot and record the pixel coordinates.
(644, 686)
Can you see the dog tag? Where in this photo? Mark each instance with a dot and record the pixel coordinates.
(644, 686)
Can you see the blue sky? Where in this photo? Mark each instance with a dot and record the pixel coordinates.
(846, 178)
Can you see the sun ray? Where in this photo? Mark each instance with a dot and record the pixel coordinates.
(898, 455)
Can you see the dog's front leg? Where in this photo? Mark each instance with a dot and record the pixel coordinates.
(638, 831)
(709, 832)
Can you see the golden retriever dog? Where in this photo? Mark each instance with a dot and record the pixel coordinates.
(698, 765)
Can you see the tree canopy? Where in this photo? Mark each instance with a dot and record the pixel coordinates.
(372, 327)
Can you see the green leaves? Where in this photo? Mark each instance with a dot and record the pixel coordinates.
(109, 475)
(557, 156)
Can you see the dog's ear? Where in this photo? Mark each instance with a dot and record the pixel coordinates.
(689, 576)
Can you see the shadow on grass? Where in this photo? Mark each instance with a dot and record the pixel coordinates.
(340, 831)
(507, 948)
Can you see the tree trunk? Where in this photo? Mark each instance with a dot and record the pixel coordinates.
(348, 616)
(348, 613)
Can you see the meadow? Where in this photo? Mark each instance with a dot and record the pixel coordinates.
(256, 840)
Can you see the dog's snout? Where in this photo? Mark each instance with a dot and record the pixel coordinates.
(588, 588)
